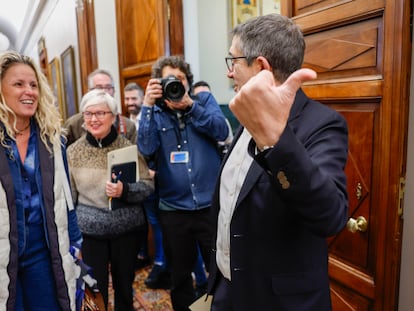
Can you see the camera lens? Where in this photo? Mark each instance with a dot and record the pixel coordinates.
(174, 90)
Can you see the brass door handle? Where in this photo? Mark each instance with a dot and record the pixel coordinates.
(359, 224)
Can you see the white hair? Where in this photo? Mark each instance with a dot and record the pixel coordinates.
(96, 97)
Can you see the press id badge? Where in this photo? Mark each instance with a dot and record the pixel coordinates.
(179, 157)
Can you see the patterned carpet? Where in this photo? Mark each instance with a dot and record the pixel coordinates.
(146, 299)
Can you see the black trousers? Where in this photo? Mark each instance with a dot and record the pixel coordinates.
(181, 231)
(119, 255)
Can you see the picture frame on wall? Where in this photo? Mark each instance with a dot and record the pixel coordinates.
(56, 85)
(42, 53)
(69, 81)
(272, 6)
(242, 10)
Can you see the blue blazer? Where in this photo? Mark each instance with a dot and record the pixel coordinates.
(293, 198)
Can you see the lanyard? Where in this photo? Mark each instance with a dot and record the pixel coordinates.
(178, 118)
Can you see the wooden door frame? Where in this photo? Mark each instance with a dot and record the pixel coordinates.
(390, 167)
(176, 27)
(398, 49)
(88, 54)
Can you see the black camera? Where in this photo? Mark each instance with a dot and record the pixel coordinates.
(172, 89)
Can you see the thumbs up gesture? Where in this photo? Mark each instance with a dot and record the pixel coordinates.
(262, 105)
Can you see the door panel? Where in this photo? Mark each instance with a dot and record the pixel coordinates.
(146, 30)
(348, 301)
(361, 51)
(329, 12)
(349, 51)
(142, 33)
(303, 7)
(142, 38)
(359, 173)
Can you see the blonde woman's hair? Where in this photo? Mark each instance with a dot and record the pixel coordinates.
(46, 116)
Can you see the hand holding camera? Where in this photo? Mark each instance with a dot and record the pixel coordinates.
(168, 92)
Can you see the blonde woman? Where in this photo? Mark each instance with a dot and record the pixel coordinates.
(38, 223)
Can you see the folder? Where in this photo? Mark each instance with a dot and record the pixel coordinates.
(123, 166)
(202, 304)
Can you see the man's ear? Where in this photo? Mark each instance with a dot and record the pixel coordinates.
(263, 63)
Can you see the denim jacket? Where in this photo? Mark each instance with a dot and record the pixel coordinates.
(189, 139)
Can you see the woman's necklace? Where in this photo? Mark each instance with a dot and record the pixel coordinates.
(20, 132)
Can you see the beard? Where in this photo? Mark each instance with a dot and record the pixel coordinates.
(134, 109)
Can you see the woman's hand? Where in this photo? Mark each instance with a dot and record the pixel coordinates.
(114, 190)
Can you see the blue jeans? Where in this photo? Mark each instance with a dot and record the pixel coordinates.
(199, 272)
(36, 289)
(151, 209)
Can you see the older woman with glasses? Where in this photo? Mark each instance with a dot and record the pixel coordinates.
(111, 236)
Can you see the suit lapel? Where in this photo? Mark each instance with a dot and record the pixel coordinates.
(252, 176)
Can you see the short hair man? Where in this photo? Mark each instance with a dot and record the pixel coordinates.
(133, 98)
(201, 86)
(99, 79)
(282, 189)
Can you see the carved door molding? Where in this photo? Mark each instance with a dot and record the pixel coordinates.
(361, 50)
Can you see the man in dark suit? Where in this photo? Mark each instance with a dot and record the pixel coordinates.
(282, 189)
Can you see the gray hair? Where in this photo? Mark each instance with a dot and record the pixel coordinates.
(134, 86)
(96, 72)
(96, 97)
(276, 38)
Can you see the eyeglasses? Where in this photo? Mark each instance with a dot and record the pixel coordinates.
(106, 87)
(230, 61)
(100, 115)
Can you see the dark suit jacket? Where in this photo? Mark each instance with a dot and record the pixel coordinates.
(293, 198)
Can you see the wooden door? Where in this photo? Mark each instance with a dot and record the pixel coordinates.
(361, 50)
(147, 29)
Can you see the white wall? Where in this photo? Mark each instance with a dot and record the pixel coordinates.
(106, 41)
(191, 51)
(207, 43)
(206, 36)
(60, 31)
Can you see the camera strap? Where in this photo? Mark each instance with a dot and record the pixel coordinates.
(121, 126)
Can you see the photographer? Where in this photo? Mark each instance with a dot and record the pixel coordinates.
(179, 135)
